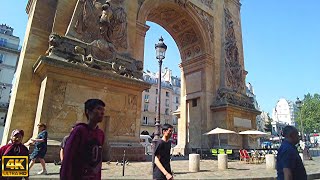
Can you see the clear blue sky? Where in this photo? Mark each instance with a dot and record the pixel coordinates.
(281, 46)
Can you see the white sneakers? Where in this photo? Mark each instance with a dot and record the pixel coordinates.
(42, 172)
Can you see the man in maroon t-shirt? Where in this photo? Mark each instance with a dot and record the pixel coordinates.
(83, 150)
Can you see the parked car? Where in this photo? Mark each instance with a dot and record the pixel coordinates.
(266, 144)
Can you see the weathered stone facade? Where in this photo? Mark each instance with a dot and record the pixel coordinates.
(96, 50)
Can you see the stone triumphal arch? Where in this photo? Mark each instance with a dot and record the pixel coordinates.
(80, 49)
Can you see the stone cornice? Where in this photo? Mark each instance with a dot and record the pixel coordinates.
(142, 28)
(199, 61)
(46, 65)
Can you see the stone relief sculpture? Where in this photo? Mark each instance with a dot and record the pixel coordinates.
(206, 18)
(208, 3)
(99, 30)
(232, 93)
(72, 51)
(101, 25)
(226, 96)
(234, 70)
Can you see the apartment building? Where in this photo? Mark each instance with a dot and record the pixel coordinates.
(9, 55)
(170, 100)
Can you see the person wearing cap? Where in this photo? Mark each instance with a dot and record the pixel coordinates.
(83, 150)
(40, 148)
(15, 147)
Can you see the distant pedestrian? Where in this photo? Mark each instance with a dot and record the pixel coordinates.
(14, 148)
(82, 157)
(40, 148)
(62, 145)
(289, 163)
(161, 167)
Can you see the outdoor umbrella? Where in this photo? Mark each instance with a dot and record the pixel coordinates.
(219, 131)
(254, 133)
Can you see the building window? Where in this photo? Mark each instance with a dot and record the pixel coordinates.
(3, 42)
(177, 107)
(167, 111)
(145, 120)
(146, 107)
(177, 99)
(146, 98)
(167, 94)
(156, 91)
(166, 121)
(167, 102)
(156, 100)
(194, 103)
(156, 109)
(147, 90)
(1, 58)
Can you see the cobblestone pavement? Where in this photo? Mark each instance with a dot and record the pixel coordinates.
(208, 170)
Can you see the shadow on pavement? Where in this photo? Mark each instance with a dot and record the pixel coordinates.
(191, 172)
(239, 169)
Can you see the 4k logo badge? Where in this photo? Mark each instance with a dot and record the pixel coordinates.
(15, 166)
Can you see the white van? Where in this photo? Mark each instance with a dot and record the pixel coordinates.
(146, 142)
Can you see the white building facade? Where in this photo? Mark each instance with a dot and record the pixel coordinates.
(283, 114)
(170, 100)
(9, 55)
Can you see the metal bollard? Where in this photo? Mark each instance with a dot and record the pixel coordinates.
(123, 161)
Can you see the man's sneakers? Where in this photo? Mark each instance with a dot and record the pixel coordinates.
(44, 172)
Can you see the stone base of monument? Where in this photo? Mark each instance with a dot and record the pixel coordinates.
(234, 117)
(65, 86)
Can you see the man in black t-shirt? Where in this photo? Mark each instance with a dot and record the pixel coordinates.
(162, 169)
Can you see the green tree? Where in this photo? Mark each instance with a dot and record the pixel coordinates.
(309, 113)
(268, 125)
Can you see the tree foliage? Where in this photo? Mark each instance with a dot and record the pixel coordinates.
(309, 113)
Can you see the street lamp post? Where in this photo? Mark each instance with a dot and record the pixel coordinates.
(160, 55)
(299, 105)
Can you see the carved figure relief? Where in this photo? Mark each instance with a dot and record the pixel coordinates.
(234, 70)
(72, 51)
(103, 24)
(123, 120)
(59, 111)
(132, 101)
(208, 3)
(181, 2)
(227, 96)
(206, 18)
(188, 37)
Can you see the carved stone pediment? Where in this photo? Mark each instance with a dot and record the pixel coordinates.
(77, 52)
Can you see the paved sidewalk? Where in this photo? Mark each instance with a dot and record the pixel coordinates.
(208, 170)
